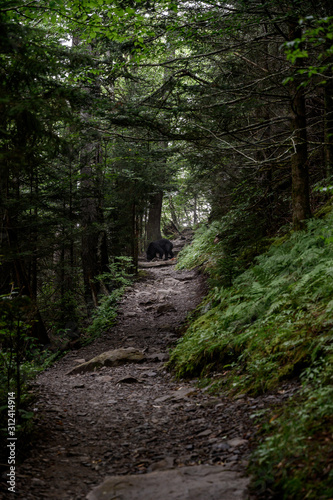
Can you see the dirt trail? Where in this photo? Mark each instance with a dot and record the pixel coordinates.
(132, 419)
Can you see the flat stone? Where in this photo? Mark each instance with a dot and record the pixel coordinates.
(206, 432)
(38, 482)
(115, 357)
(182, 393)
(237, 442)
(150, 374)
(220, 446)
(171, 282)
(104, 378)
(200, 482)
(161, 263)
(164, 293)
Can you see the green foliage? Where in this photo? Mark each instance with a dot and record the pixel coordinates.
(118, 279)
(275, 323)
(225, 247)
(317, 38)
(294, 458)
(14, 340)
(20, 361)
(202, 251)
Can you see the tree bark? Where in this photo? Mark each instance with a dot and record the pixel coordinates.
(299, 159)
(154, 217)
(94, 249)
(329, 126)
(173, 212)
(195, 210)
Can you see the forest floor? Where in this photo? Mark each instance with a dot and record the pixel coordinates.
(136, 419)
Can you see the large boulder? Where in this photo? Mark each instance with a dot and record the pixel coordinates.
(200, 482)
(109, 358)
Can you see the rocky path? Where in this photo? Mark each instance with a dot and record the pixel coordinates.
(135, 420)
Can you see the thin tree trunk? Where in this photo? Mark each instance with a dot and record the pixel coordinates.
(94, 248)
(135, 238)
(299, 159)
(195, 211)
(329, 126)
(173, 212)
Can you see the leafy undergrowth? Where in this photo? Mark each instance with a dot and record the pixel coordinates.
(295, 457)
(276, 322)
(119, 278)
(225, 247)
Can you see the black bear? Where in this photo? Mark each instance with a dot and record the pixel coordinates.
(160, 247)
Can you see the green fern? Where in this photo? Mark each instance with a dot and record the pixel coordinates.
(275, 322)
(269, 307)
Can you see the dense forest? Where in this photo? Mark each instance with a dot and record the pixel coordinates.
(125, 121)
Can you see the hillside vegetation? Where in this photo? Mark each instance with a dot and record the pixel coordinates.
(273, 322)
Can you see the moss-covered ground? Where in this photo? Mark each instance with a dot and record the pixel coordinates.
(259, 326)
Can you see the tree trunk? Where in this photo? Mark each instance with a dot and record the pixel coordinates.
(135, 237)
(328, 117)
(154, 218)
(299, 159)
(329, 126)
(173, 212)
(195, 211)
(94, 249)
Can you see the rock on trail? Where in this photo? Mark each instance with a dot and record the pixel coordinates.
(129, 427)
(201, 482)
(115, 357)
